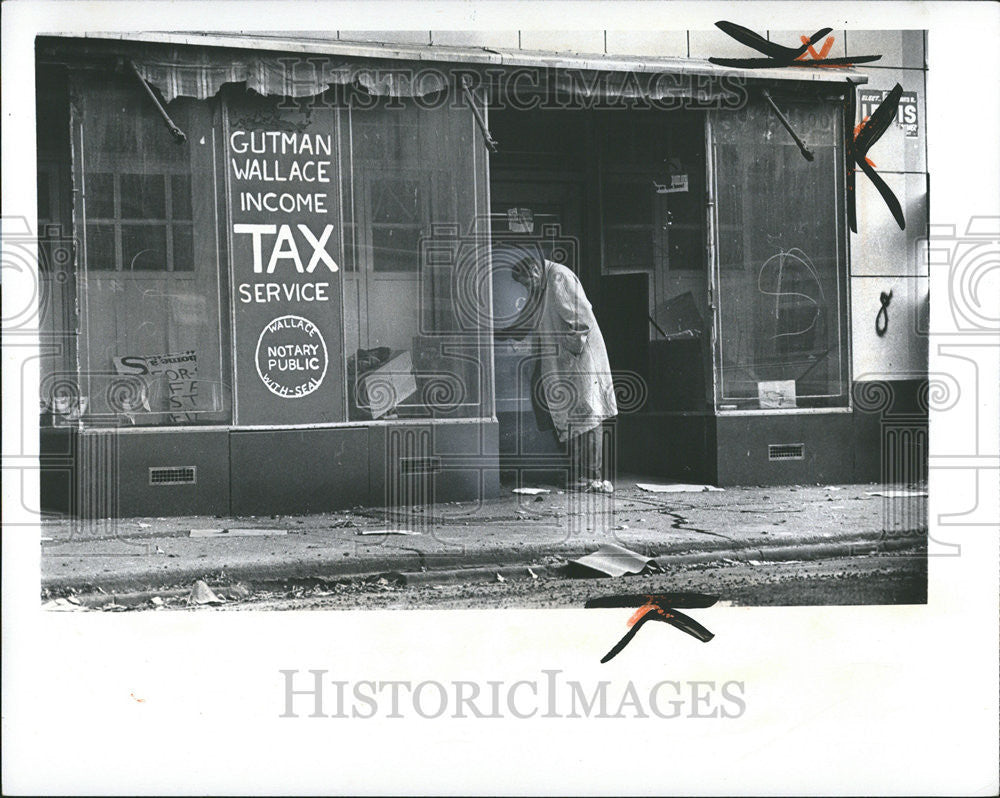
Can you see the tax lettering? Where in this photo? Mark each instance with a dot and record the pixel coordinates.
(286, 246)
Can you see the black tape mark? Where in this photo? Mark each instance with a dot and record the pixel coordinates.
(882, 319)
(660, 608)
(779, 55)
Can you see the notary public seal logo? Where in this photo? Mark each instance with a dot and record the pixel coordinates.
(291, 357)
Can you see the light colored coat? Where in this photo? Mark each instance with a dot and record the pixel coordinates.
(575, 376)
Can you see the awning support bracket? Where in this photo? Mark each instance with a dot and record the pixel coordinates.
(175, 131)
(467, 88)
(788, 126)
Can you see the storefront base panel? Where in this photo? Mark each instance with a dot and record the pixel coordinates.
(298, 471)
(57, 471)
(671, 446)
(786, 449)
(417, 464)
(139, 473)
(109, 474)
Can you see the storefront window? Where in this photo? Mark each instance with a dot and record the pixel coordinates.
(353, 240)
(781, 257)
(415, 327)
(57, 304)
(151, 350)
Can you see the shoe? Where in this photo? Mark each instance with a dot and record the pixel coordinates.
(597, 486)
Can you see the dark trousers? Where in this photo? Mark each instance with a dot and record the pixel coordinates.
(586, 454)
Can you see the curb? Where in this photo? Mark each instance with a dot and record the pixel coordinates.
(813, 551)
(479, 567)
(473, 575)
(806, 551)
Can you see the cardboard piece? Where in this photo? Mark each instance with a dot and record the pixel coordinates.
(387, 386)
(776, 393)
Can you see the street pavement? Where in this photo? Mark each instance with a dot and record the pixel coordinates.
(449, 540)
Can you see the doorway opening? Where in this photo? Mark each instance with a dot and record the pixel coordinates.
(621, 198)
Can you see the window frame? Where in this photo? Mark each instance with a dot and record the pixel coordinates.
(842, 401)
(117, 221)
(85, 89)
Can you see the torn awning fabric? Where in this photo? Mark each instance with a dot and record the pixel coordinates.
(203, 76)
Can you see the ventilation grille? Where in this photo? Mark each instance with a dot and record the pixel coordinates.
(420, 465)
(786, 451)
(177, 475)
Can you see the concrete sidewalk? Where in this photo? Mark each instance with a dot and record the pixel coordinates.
(789, 522)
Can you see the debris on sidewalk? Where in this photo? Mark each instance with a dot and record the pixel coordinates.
(896, 493)
(388, 532)
(613, 560)
(235, 533)
(236, 592)
(531, 491)
(833, 487)
(675, 488)
(201, 593)
(61, 605)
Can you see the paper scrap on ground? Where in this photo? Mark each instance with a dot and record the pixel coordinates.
(613, 560)
(201, 593)
(236, 533)
(531, 491)
(897, 494)
(387, 532)
(675, 488)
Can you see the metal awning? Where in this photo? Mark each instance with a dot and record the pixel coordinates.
(254, 58)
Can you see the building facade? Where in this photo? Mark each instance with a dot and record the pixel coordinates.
(272, 264)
